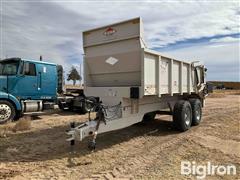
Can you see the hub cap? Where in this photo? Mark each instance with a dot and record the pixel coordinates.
(5, 112)
(187, 116)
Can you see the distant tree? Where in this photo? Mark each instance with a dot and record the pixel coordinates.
(74, 75)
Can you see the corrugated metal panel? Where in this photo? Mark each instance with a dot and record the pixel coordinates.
(163, 75)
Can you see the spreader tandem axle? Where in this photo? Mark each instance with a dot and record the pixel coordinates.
(132, 83)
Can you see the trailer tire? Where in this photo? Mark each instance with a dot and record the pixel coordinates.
(89, 105)
(61, 107)
(82, 110)
(67, 107)
(182, 115)
(196, 111)
(7, 111)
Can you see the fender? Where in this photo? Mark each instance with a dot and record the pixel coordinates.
(16, 102)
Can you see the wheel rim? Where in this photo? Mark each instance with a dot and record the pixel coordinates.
(187, 116)
(5, 112)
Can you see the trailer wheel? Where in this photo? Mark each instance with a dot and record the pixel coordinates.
(182, 115)
(7, 111)
(89, 104)
(196, 111)
(60, 106)
(67, 106)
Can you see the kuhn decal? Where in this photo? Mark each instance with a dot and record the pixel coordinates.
(109, 31)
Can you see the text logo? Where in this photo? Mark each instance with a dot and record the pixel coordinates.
(109, 31)
(206, 169)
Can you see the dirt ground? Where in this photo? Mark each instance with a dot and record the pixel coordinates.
(151, 151)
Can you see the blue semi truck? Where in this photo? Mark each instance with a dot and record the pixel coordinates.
(32, 86)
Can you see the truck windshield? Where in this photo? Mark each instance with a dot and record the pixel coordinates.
(8, 67)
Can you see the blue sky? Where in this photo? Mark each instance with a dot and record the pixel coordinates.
(208, 31)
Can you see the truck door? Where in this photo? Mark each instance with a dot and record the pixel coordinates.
(27, 83)
(47, 81)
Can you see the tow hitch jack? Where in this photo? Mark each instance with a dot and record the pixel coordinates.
(90, 128)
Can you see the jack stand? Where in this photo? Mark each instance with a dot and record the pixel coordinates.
(89, 115)
(72, 126)
(92, 144)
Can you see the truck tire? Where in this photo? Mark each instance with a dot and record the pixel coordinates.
(7, 111)
(82, 110)
(65, 106)
(60, 106)
(182, 115)
(89, 104)
(196, 111)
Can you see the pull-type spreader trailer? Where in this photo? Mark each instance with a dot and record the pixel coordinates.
(133, 83)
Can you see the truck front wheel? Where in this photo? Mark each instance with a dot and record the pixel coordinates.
(7, 111)
(182, 115)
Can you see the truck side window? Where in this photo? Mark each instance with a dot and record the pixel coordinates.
(29, 69)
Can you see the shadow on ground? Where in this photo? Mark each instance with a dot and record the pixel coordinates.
(56, 112)
(50, 143)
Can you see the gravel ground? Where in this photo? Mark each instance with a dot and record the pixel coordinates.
(151, 151)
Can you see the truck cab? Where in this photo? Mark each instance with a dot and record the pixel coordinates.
(26, 86)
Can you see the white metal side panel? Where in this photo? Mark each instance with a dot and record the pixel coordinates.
(164, 75)
(115, 32)
(192, 89)
(113, 54)
(150, 74)
(181, 78)
(185, 78)
(176, 77)
(109, 49)
(125, 69)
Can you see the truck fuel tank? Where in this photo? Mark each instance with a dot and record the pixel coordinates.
(32, 105)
